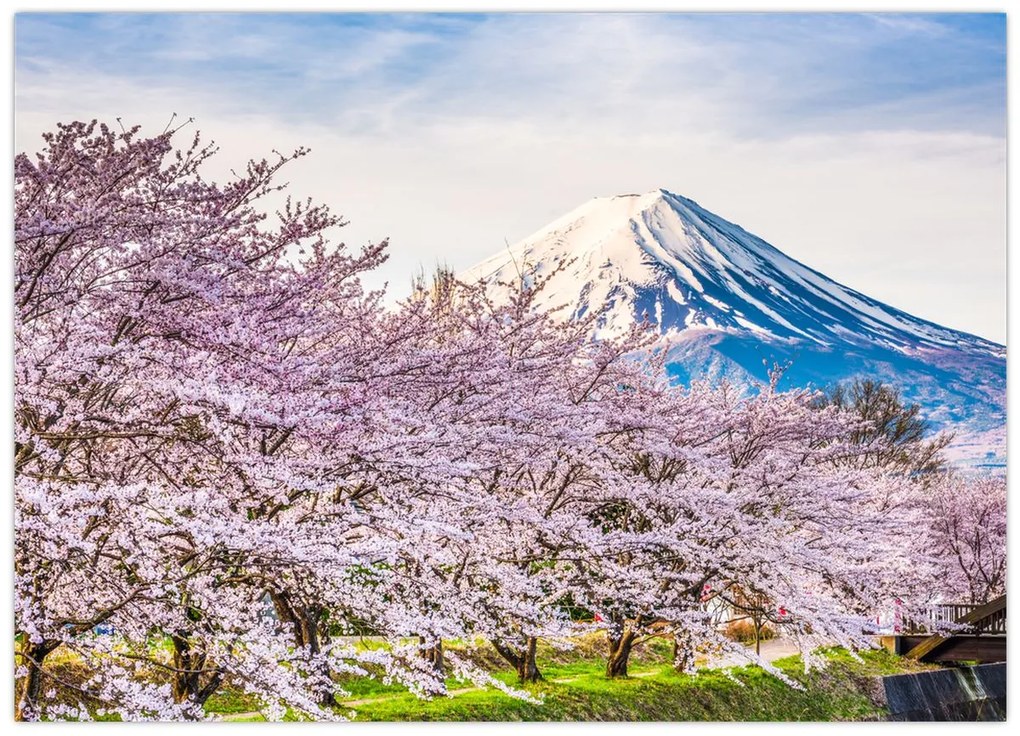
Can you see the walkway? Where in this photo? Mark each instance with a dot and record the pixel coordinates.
(771, 650)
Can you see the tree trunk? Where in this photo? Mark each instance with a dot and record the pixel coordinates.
(27, 692)
(193, 682)
(528, 669)
(522, 660)
(305, 621)
(433, 655)
(619, 652)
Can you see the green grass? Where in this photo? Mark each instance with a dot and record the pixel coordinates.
(576, 689)
(663, 696)
(228, 701)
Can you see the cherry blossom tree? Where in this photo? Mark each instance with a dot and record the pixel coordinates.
(759, 498)
(231, 452)
(967, 517)
(182, 361)
(521, 395)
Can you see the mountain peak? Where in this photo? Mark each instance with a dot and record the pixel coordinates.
(663, 257)
(728, 303)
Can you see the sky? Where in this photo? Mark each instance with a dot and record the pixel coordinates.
(871, 147)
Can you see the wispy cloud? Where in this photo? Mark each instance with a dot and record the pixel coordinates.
(840, 137)
(766, 73)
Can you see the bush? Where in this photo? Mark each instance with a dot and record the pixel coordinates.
(743, 631)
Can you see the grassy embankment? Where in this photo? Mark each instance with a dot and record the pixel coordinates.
(575, 689)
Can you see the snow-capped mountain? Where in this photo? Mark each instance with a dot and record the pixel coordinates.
(730, 304)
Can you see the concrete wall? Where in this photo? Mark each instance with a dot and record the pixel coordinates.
(952, 694)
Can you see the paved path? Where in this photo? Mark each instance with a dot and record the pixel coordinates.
(771, 650)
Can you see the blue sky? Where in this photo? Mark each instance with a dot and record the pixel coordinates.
(870, 146)
(803, 72)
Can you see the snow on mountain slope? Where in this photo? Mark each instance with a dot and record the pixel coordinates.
(730, 304)
(662, 254)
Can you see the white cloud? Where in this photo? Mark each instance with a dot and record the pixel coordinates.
(525, 117)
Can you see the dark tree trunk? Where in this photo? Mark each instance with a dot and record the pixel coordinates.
(433, 655)
(26, 706)
(193, 681)
(522, 660)
(306, 621)
(528, 671)
(619, 652)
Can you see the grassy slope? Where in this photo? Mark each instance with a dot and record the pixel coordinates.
(576, 690)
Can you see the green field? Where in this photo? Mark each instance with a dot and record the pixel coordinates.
(575, 689)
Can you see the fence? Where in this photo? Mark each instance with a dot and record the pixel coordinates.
(947, 617)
